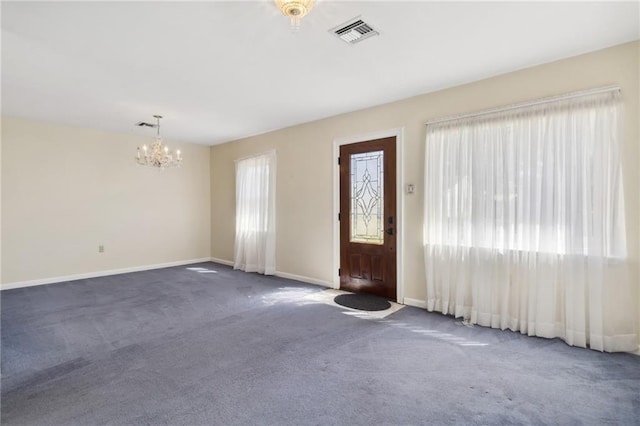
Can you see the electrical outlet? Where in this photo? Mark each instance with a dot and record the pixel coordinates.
(100, 249)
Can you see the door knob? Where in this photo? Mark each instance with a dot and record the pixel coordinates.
(390, 231)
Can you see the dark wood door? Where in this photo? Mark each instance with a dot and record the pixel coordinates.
(367, 217)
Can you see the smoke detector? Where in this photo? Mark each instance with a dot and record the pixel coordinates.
(354, 31)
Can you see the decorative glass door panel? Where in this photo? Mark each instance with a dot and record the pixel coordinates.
(367, 197)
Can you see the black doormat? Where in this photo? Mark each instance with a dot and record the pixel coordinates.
(363, 302)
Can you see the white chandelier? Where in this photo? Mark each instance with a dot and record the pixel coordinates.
(295, 10)
(158, 155)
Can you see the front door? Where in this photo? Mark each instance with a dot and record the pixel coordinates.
(367, 217)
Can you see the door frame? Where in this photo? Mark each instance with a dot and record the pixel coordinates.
(399, 135)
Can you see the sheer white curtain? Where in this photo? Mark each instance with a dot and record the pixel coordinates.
(524, 222)
(255, 245)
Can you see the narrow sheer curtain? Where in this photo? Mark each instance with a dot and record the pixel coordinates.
(255, 242)
(524, 225)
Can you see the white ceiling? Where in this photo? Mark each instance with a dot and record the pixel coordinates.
(219, 71)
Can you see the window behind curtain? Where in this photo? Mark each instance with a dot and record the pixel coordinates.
(544, 179)
(255, 214)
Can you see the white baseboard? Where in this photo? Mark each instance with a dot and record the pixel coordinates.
(303, 279)
(221, 261)
(43, 281)
(286, 275)
(415, 302)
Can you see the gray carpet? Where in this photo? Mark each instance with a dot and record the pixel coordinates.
(194, 347)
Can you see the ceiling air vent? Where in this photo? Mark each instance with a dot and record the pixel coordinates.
(354, 31)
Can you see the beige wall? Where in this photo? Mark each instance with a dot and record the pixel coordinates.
(66, 190)
(305, 160)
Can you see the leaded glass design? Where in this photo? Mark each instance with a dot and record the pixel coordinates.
(367, 202)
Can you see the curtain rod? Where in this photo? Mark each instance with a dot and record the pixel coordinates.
(527, 104)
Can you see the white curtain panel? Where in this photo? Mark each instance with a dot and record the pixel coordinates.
(524, 225)
(255, 244)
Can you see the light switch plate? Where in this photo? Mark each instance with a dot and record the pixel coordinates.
(411, 188)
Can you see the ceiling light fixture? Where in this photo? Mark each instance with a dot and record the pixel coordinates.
(295, 10)
(158, 155)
